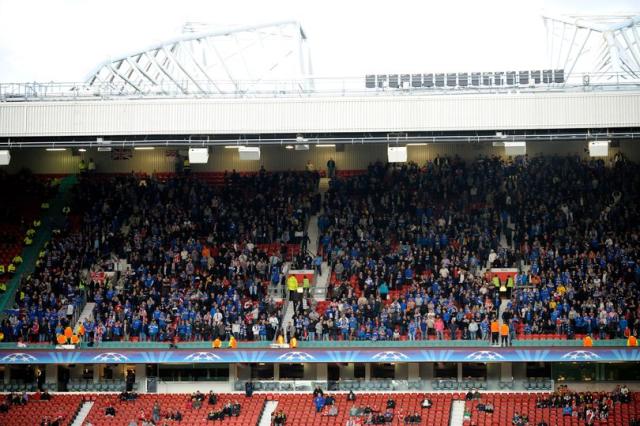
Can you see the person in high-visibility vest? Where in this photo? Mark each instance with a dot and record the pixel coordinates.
(233, 343)
(17, 259)
(292, 286)
(495, 332)
(504, 334)
(496, 281)
(632, 341)
(293, 343)
(217, 343)
(44, 206)
(31, 232)
(2, 270)
(36, 223)
(11, 268)
(587, 341)
(186, 166)
(82, 167)
(510, 284)
(3, 287)
(66, 209)
(27, 241)
(306, 285)
(280, 339)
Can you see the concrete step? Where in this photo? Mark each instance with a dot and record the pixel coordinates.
(269, 408)
(82, 415)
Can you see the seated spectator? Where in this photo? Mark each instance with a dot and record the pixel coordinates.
(110, 411)
(426, 403)
(319, 403)
(317, 391)
(414, 418)
(388, 415)
(45, 396)
(215, 415)
(279, 418)
(176, 416)
(333, 411)
(391, 403)
(212, 398)
(486, 408)
(351, 396)
(329, 400)
(567, 410)
(355, 411)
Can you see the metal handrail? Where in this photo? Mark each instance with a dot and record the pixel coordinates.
(296, 88)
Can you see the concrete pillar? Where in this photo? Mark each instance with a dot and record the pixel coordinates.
(241, 372)
(459, 371)
(426, 371)
(233, 373)
(51, 376)
(413, 371)
(519, 370)
(322, 372)
(367, 371)
(96, 372)
(276, 371)
(141, 377)
(506, 371)
(347, 371)
(401, 371)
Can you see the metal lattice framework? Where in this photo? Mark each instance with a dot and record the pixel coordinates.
(239, 60)
(595, 44)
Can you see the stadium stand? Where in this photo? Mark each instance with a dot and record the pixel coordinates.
(60, 408)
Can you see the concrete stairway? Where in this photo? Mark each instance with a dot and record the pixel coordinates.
(50, 220)
(269, 408)
(457, 413)
(87, 312)
(82, 415)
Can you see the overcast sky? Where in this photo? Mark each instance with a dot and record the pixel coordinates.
(63, 40)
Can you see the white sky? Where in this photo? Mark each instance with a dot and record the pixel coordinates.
(63, 40)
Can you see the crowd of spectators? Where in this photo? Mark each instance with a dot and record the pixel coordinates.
(167, 260)
(179, 259)
(408, 245)
(586, 406)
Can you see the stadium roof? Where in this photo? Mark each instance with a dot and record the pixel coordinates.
(232, 60)
(604, 46)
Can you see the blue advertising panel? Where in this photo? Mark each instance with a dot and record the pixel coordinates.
(190, 356)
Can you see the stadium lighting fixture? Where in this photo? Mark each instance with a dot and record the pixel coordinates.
(55, 149)
(599, 148)
(515, 148)
(289, 147)
(5, 157)
(326, 145)
(301, 139)
(82, 150)
(198, 155)
(397, 154)
(249, 153)
(144, 148)
(232, 146)
(417, 144)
